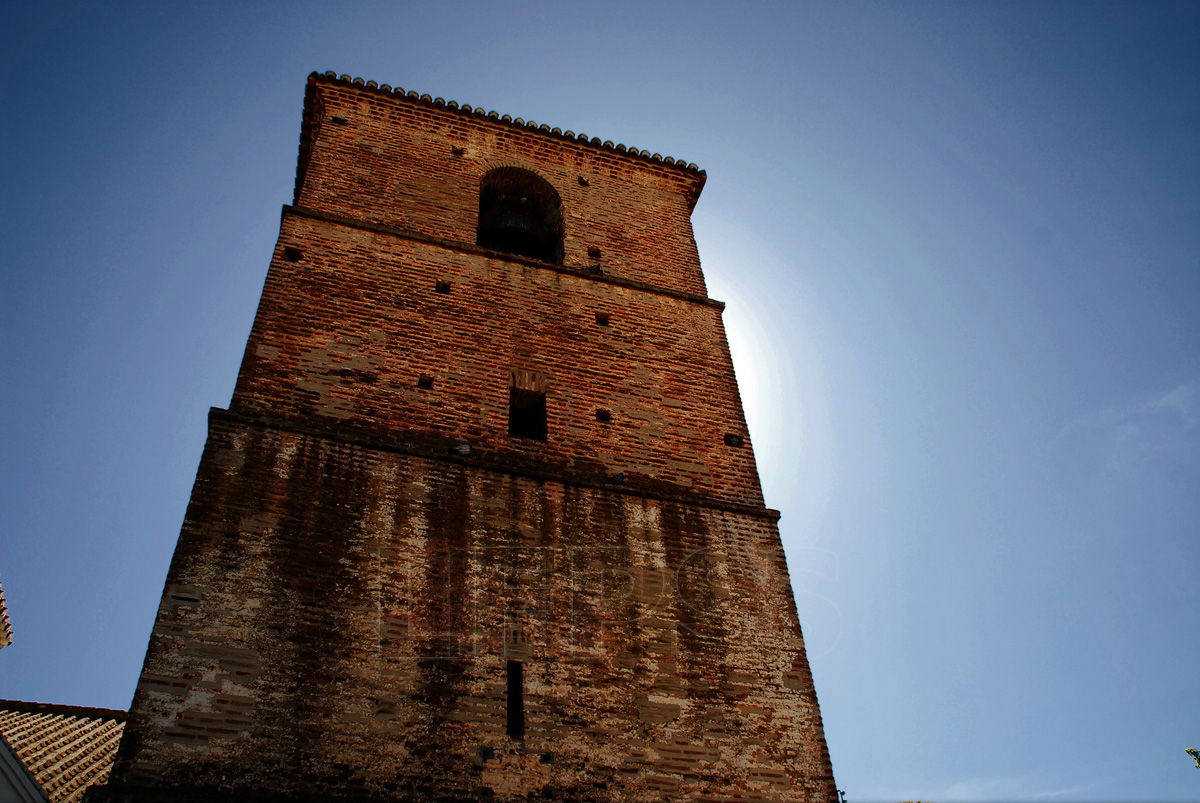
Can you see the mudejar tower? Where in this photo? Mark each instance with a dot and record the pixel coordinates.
(482, 520)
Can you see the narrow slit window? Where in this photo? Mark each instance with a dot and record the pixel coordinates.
(527, 414)
(516, 700)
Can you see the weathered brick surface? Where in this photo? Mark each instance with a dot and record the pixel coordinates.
(344, 334)
(337, 620)
(392, 162)
(362, 556)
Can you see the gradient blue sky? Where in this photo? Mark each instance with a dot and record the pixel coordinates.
(960, 244)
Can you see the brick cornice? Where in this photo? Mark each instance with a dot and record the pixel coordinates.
(441, 448)
(471, 248)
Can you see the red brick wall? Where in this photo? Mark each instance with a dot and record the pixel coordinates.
(392, 163)
(335, 623)
(362, 556)
(344, 334)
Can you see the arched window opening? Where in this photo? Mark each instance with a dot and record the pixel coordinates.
(520, 213)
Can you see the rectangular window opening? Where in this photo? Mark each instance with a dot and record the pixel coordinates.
(516, 700)
(527, 414)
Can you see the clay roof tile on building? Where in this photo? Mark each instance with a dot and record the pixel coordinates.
(64, 748)
(5, 624)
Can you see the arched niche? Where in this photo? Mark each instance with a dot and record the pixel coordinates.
(520, 213)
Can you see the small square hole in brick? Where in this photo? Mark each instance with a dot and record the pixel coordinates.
(458, 151)
(442, 287)
(293, 254)
(583, 182)
(733, 440)
(425, 382)
(603, 415)
(338, 120)
(593, 252)
(602, 318)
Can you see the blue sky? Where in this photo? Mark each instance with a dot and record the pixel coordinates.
(960, 243)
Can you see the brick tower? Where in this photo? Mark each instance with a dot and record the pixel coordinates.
(482, 520)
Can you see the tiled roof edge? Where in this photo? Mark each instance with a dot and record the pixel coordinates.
(63, 710)
(518, 122)
(6, 635)
(25, 780)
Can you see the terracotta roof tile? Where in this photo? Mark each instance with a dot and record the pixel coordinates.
(5, 625)
(65, 748)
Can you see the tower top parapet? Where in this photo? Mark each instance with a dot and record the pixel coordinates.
(695, 172)
(479, 111)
